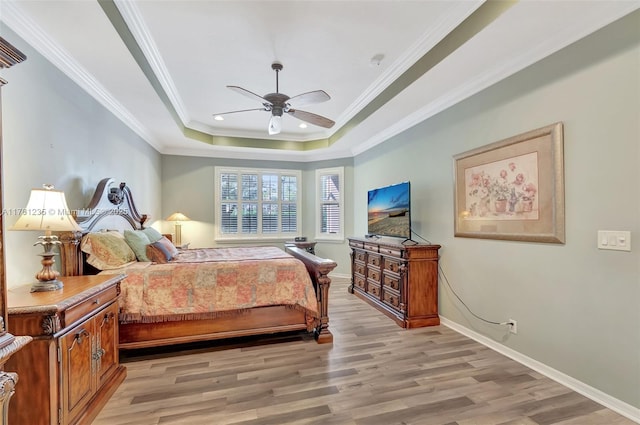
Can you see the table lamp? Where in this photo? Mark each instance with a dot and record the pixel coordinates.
(46, 211)
(178, 217)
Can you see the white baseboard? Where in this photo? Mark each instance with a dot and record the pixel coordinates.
(594, 394)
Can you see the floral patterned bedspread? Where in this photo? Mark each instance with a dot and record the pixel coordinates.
(206, 283)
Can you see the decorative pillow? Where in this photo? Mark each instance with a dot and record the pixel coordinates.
(107, 250)
(152, 234)
(156, 255)
(168, 249)
(138, 242)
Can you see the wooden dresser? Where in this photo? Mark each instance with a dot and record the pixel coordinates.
(71, 368)
(399, 280)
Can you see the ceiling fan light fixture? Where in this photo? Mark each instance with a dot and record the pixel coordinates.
(279, 103)
(275, 125)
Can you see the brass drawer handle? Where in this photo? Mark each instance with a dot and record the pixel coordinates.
(80, 336)
(107, 317)
(96, 301)
(96, 356)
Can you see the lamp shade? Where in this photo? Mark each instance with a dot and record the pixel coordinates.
(178, 216)
(46, 210)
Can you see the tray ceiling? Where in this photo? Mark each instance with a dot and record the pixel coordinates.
(163, 67)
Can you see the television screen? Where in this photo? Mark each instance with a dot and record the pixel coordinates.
(389, 211)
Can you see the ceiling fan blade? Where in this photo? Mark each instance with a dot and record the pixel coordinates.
(242, 110)
(308, 98)
(248, 93)
(314, 119)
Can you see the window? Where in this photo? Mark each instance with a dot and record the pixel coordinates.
(257, 203)
(329, 202)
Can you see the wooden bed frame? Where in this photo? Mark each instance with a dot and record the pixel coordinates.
(112, 208)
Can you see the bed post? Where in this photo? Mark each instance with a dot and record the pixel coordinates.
(71, 263)
(319, 269)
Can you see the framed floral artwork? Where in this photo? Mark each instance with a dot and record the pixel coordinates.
(512, 189)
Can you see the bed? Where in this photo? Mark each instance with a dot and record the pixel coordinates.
(200, 294)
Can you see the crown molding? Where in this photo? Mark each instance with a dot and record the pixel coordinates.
(562, 39)
(255, 134)
(39, 40)
(420, 48)
(229, 152)
(131, 15)
(33, 34)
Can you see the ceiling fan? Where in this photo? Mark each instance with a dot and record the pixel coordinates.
(279, 103)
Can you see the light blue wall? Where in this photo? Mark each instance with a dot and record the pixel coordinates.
(577, 307)
(188, 186)
(54, 132)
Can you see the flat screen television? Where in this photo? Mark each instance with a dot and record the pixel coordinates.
(389, 211)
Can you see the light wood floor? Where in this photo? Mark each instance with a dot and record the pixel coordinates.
(374, 373)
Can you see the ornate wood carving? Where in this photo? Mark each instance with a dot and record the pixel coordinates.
(116, 194)
(51, 324)
(108, 200)
(70, 256)
(8, 382)
(319, 269)
(9, 55)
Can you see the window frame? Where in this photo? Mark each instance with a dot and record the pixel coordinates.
(324, 236)
(259, 235)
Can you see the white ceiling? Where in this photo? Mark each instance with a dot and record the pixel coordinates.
(193, 49)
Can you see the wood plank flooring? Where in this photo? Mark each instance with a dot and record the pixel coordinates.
(375, 373)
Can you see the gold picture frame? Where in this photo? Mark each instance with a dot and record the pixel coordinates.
(512, 189)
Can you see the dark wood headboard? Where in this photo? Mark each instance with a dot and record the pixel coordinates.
(111, 208)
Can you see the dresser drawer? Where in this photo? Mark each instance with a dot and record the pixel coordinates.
(392, 282)
(391, 251)
(374, 274)
(393, 264)
(371, 247)
(373, 288)
(374, 260)
(356, 244)
(359, 255)
(392, 298)
(359, 267)
(360, 282)
(93, 303)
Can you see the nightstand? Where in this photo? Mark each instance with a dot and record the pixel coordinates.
(71, 368)
(170, 237)
(309, 246)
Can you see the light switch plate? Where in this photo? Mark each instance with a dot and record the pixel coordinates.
(616, 240)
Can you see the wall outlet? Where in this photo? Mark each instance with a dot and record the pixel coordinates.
(513, 326)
